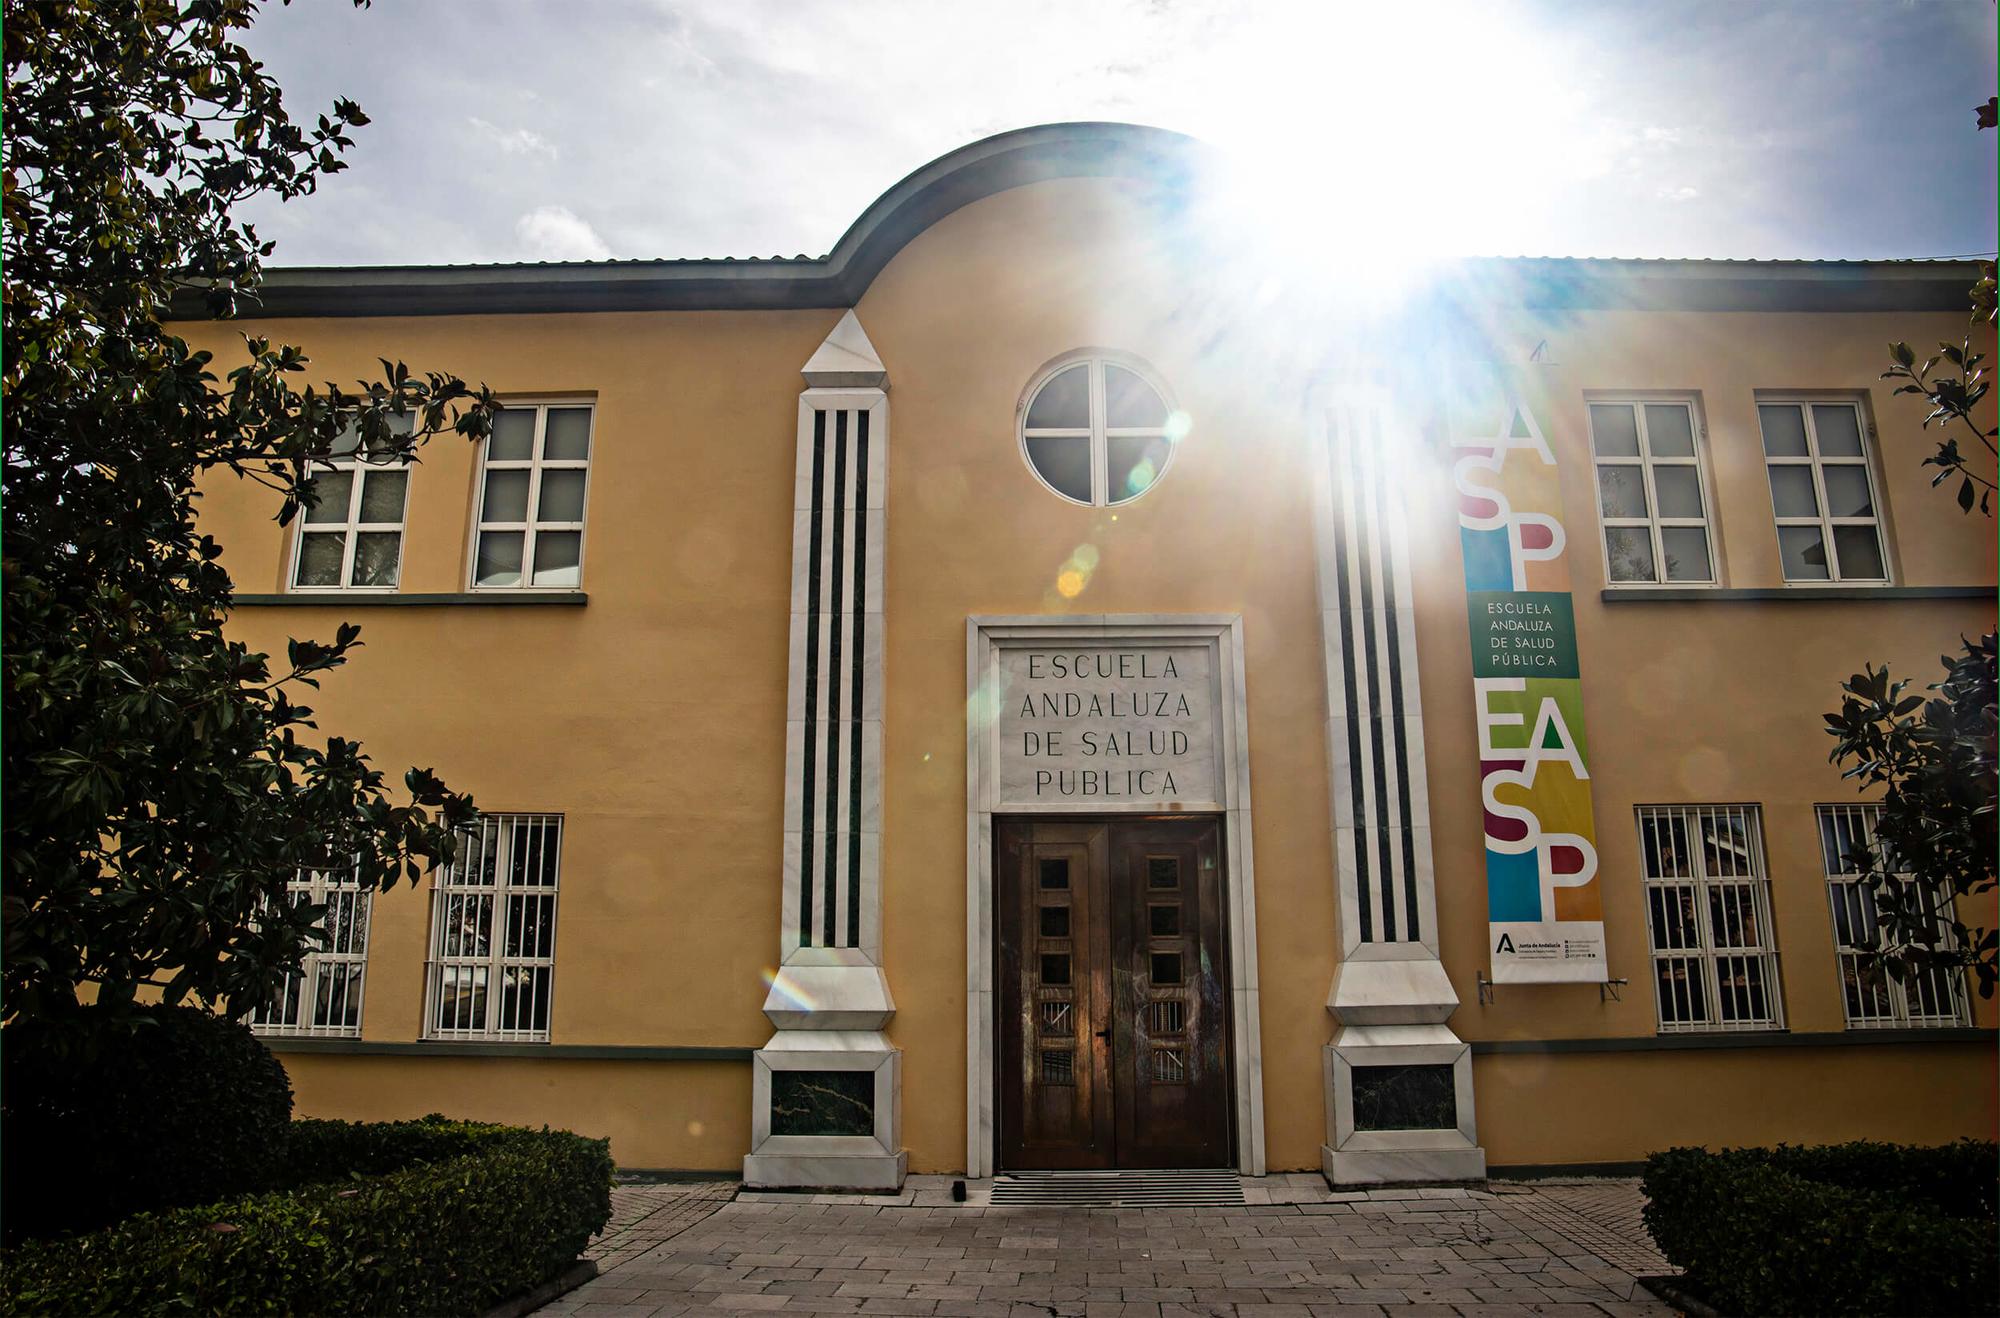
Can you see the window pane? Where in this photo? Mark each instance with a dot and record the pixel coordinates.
(1784, 430)
(568, 437)
(1064, 464)
(1631, 553)
(333, 489)
(398, 428)
(1847, 491)
(1063, 403)
(376, 555)
(513, 435)
(1803, 549)
(1133, 463)
(562, 497)
(1621, 491)
(499, 559)
(1792, 492)
(558, 558)
(1859, 550)
(1669, 431)
(1838, 428)
(319, 559)
(1613, 430)
(382, 495)
(1678, 490)
(1686, 548)
(1130, 401)
(506, 496)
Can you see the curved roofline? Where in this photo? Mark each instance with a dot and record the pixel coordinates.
(1031, 155)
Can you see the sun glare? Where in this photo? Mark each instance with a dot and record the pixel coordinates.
(1359, 144)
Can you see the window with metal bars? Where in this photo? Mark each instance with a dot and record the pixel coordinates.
(324, 998)
(1873, 998)
(493, 932)
(1708, 912)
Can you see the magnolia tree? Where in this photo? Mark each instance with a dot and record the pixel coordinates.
(1932, 759)
(163, 783)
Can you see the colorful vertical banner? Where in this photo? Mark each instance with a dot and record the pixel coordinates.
(1544, 908)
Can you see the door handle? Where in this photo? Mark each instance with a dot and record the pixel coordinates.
(1104, 1034)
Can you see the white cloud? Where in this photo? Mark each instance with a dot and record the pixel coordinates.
(514, 142)
(1683, 193)
(557, 233)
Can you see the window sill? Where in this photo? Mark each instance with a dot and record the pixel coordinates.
(347, 599)
(1787, 594)
(1731, 1039)
(498, 1048)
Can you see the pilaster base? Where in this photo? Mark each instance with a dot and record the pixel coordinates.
(1399, 1107)
(877, 1173)
(826, 1113)
(1402, 1167)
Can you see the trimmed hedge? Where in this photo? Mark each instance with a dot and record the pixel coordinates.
(431, 1217)
(1851, 1228)
(107, 1117)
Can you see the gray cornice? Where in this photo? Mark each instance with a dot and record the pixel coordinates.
(1048, 151)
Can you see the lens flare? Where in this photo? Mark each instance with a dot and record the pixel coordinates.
(1073, 577)
(788, 998)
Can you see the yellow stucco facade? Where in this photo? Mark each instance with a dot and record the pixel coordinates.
(653, 717)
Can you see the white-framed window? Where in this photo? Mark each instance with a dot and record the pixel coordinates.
(491, 972)
(1871, 997)
(1823, 493)
(1708, 913)
(534, 473)
(324, 998)
(1098, 430)
(1652, 497)
(353, 538)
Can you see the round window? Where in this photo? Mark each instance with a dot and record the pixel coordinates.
(1098, 432)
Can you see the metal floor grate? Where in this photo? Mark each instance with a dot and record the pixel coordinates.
(1220, 1188)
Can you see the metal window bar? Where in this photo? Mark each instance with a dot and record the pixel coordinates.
(491, 973)
(323, 1000)
(1872, 998)
(1708, 917)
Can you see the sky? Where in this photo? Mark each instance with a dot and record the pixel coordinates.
(506, 130)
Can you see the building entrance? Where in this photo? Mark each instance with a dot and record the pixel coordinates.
(1111, 962)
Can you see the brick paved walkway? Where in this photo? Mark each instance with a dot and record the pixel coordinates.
(1542, 1248)
(643, 1215)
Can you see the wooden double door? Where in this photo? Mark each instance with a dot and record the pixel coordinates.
(1113, 982)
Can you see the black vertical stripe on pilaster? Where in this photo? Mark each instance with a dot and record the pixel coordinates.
(1364, 529)
(860, 673)
(834, 670)
(1412, 927)
(806, 784)
(1346, 601)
